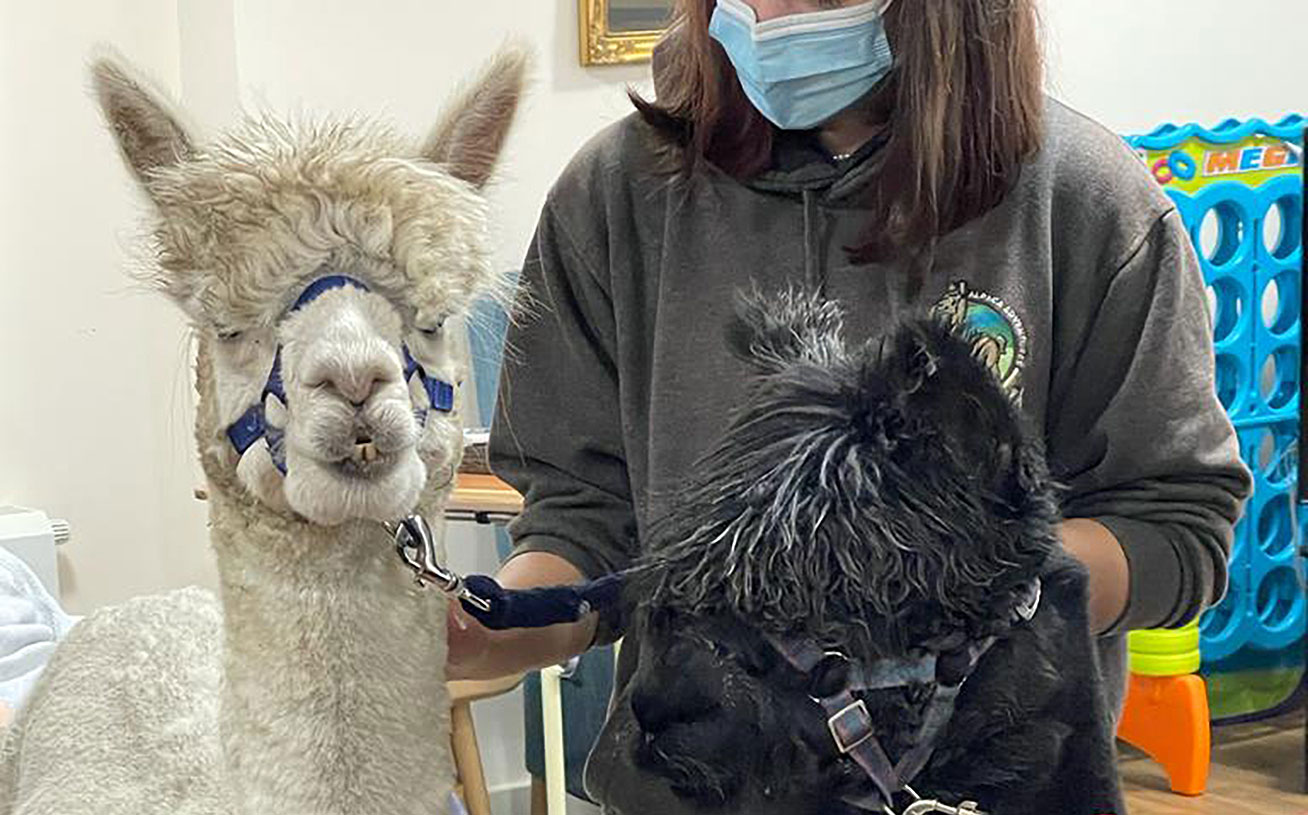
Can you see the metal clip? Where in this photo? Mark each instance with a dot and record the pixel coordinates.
(927, 807)
(416, 546)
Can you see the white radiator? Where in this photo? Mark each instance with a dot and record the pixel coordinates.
(32, 536)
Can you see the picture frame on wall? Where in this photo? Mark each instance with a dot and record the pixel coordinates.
(617, 32)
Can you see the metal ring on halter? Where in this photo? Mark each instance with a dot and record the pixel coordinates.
(416, 546)
(827, 657)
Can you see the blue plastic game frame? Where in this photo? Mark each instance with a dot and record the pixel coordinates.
(1260, 370)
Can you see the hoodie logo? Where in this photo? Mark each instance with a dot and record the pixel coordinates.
(994, 329)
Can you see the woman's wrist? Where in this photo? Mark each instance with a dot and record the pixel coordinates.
(1110, 574)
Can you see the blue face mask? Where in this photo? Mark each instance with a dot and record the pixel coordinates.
(802, 69)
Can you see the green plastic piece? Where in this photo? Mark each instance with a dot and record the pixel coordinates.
(1171, 652)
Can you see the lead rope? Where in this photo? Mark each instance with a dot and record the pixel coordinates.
(490, 603)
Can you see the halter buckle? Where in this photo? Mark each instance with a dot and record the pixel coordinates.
(850, 726)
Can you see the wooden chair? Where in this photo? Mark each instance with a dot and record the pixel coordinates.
(470, 780)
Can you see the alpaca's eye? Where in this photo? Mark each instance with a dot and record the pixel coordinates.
(433, 331)
(230, 335)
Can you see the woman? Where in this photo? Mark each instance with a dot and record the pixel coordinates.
(900, 157)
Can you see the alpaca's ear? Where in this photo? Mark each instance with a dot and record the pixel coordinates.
(148, 134)
(472, 130)
(774, 331)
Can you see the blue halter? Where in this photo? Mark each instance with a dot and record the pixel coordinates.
(252, 425)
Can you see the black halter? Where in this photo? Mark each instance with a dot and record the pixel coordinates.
(850, 723)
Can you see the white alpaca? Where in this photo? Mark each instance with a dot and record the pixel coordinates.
(315, 683)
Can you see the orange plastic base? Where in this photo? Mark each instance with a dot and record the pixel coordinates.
(1167, 717)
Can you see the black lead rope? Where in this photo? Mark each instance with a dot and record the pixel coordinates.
(538, 608)
(491, 604)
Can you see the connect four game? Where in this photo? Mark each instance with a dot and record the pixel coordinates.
(1239, 188)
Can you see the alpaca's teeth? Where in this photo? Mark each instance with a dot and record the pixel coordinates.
(366, 452)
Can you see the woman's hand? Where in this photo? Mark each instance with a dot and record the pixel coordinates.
(1110, 575)
(476, 652)
(469, 643)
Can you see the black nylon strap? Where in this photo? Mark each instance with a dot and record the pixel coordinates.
(851, 724)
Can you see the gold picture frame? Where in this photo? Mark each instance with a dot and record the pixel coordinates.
(601, 45)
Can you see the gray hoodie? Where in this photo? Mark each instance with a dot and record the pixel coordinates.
(1082, 289)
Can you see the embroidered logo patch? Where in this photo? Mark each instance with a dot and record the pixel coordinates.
(992, 326)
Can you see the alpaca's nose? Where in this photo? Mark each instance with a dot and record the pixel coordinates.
(355, 390)
(355, 383)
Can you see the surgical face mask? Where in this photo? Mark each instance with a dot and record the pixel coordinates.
(802, 69)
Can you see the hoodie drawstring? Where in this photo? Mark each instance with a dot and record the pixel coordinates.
(815, 278)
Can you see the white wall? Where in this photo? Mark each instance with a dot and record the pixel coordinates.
(93, 383)
(95, 409)
(400, 58)
(1135, 64)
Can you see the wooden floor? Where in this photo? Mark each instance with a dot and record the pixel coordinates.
(1257, 769)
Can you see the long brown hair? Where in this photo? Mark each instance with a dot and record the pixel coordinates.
(961, 112)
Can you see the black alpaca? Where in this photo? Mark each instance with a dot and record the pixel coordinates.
(886, 505)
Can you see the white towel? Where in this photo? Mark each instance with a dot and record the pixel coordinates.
(31, 624)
